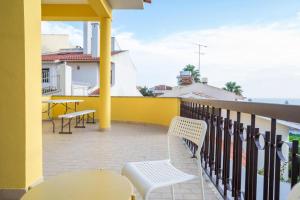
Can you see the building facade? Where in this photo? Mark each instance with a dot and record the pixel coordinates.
(75, 71)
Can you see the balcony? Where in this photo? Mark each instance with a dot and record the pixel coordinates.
(89, 149)
(246, 150)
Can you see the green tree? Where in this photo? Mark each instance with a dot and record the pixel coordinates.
(233, 87)
(195, 72)
(145, 91)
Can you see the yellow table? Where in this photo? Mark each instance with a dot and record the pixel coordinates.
(84, 185)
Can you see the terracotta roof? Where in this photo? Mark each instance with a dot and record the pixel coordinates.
(147, 1)
(73, 56)
(95, 92)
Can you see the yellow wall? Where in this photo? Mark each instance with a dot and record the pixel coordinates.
(145, 110)
(45, 107)
(20, 84)
(132, 109)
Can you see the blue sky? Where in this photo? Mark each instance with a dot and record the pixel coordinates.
(255, 43)
(163, 17)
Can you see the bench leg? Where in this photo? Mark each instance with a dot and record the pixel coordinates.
(82, 126)
(88, 119)
(77, 120)
(63, 125)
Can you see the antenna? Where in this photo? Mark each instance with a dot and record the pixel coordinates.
(200, 53)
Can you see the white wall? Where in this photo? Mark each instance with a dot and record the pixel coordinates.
(79, 90)
(65, 73)
(86, 75)
(125, 76)
(54, 79)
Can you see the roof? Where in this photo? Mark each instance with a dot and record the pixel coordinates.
(162, 87)
(95, 92)
(202, 91)
(73, 56)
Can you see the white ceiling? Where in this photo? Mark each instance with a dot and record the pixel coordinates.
(115, 4)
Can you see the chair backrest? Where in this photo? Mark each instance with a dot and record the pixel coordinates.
(190, 129)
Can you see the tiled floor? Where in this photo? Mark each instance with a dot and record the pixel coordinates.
(91, 149)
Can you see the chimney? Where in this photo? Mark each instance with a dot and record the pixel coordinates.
(87, 34)
(95, 40)
(113, 43)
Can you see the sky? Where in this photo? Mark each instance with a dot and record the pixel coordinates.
(254, 43)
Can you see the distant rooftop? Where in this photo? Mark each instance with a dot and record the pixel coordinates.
(202, 91)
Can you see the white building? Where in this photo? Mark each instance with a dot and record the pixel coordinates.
(75, 71)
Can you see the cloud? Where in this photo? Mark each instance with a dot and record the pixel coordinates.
(298, 15)
(264, 59)
(75, 34)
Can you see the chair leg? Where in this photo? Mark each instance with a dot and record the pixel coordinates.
(202, 185)
(172, 191)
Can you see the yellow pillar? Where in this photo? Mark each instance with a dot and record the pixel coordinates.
(105, 67)
(20, 101)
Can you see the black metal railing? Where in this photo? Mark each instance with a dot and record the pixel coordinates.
(230, 152)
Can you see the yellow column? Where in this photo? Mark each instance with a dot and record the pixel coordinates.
(20, 101)
(105, 67)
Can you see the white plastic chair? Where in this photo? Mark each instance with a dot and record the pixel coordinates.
(295, 193)
(149, 175)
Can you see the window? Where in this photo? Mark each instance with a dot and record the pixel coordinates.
(112, 74)
(45, 75)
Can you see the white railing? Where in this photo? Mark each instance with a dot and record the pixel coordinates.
(50, 84)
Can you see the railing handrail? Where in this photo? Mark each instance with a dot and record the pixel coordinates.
(290, 113)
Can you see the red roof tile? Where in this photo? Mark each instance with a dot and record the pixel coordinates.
(95, 92)
(73, 56)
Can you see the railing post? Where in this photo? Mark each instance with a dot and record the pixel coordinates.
(226, 152)
(219, 148)
(267, 166)
(272, 158)
(248, 164)
(254, 164)
(235, 160)
(212, 140)
(240, 159)
(253, 160)
(206, 152)
(295, 163)
(277, 167)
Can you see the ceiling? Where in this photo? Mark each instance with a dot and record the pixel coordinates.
(64, 1)
(126, 4)
(115, 4)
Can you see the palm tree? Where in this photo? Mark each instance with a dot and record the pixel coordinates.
(195, 72)
(146, 92)
(233, 87)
